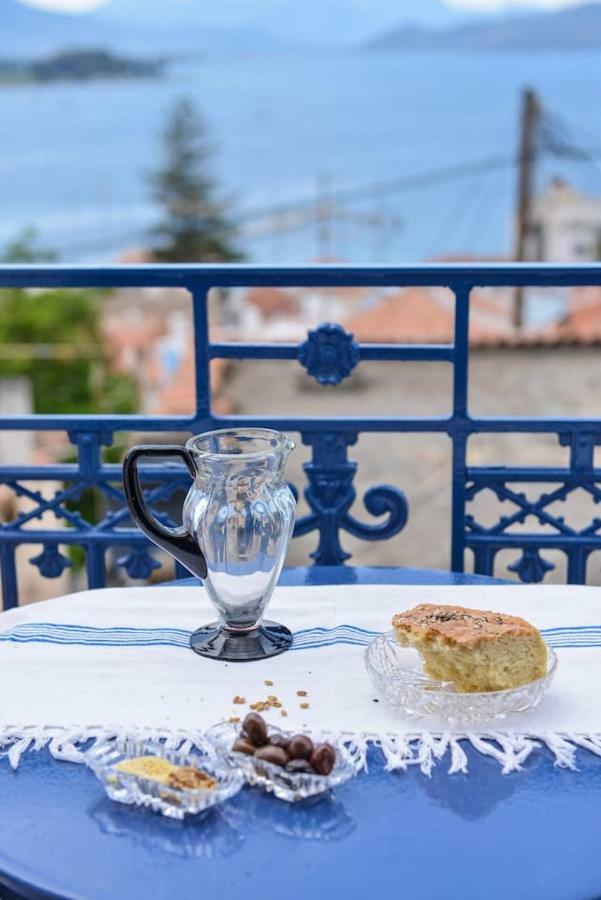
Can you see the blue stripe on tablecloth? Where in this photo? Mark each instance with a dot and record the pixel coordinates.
(305, 639)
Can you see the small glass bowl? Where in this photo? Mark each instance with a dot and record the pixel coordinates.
(399, 678)
(139, 791)
(289, 786)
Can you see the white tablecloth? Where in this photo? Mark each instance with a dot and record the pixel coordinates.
(117, 661)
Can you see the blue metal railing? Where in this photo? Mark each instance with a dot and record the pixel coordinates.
(329, 354)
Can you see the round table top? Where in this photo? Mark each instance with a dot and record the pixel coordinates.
(299, 575)
(527, 835)
(532, 833)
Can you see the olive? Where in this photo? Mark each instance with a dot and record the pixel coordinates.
(255, 729)
(300, 766)
(275, 755)
(241, 745)
(279, 740)
(323, 759)
(300, 747)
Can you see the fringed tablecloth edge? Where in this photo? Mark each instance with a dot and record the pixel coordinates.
(421, 748)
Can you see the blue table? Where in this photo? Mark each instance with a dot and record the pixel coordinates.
(531, 834)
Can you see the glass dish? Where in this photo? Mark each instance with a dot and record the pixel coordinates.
(289, 786)
(399, 678)
(139, 791)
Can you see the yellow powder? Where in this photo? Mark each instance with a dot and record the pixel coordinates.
(147, 767)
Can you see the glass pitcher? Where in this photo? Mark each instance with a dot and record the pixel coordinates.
(237, 520)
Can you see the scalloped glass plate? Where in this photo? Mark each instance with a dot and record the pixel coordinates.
(289, 786)
(172, 802)
(399, 678)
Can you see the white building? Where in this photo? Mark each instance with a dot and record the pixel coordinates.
(565, 225)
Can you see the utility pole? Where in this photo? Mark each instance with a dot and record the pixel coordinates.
(529, 118)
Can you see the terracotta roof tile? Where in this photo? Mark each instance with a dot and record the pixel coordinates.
(425, 315)
(406, 316)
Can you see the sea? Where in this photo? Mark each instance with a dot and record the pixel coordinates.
(340, 154)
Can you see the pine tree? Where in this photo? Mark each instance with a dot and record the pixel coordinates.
(194, 226)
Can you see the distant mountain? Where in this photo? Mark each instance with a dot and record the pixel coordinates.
(432, 13)
(322, 22)
(203, 27)
(172, 27)
(151, 28)
(578, 27)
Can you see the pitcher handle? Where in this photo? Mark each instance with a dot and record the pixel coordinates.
(175, 541)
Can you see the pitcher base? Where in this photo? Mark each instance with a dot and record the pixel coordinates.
(216, 642)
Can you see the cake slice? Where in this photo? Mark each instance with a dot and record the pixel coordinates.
(477, 650)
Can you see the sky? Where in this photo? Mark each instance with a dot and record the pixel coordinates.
(75, 6)
(72, 6)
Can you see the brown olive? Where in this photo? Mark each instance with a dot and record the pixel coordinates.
(241, 745)
(275, 755)
(279, 740)
(300, 747)
(255, 729)
(300, 766)
(323, 759)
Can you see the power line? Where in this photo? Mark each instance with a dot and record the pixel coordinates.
(471, 228)
(426, 178)
(553, 140)
(419, 180)
(560, 143)
(456, 212)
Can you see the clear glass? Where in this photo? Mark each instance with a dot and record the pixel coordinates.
(240, 511)
(289, 786)
(399, 678)
(174, 803)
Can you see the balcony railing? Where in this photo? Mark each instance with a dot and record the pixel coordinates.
(329, 354)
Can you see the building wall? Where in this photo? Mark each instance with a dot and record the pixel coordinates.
(566, 226)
